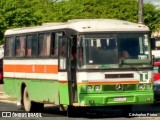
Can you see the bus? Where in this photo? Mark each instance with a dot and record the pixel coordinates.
(156, 75)
(77, 64)
(156, 65)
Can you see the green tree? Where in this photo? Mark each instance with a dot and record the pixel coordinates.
(152, 17)
(113, 9)
(20, 13)
(77, 9)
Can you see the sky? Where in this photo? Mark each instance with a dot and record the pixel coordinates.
(155, 2)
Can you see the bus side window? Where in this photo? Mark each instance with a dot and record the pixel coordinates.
(31, 45)
(20, 46)
(9, 46)
(54, 43)
(62, 50)
(54, 49)
(44, 44)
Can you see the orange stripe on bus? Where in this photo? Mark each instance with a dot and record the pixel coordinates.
(31, 68)
(39, 68)
(110, 83)
(103, 83)
(19, 68)
(63, 82)
(8, 68)
(28, 68)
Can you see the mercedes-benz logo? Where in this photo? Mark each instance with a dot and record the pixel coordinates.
(119, 87)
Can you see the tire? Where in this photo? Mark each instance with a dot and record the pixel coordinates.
(26, 101)
(30, 106)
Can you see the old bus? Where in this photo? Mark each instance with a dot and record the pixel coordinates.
(79, 64)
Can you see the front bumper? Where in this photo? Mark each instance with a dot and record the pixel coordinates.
(109, 99)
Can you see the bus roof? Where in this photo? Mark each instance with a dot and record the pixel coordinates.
(84, 25)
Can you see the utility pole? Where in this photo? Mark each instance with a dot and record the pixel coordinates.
(140, 11)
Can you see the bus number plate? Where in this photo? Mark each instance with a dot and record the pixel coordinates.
(120, 99)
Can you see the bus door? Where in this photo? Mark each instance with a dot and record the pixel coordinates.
(66, 89)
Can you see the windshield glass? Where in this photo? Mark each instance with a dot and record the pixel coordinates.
(113, 50)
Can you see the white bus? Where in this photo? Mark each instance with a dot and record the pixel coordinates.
(79, 64)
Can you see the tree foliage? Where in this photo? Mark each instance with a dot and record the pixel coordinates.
(19, 13)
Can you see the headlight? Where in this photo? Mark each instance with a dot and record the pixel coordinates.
(140, 86)
(89, 88)
(97, 88)
(148, 86)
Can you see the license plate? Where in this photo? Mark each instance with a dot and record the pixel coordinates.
(120, 99)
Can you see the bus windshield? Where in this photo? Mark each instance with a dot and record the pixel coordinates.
(113, 50)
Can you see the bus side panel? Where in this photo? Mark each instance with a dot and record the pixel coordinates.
(43, 91)
(9, 87)
(64, 94)
(39, 90)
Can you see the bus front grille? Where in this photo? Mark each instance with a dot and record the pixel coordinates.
(123, 87)
(126, 75)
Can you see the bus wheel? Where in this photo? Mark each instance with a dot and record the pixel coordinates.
(30, 105)
(26, 101)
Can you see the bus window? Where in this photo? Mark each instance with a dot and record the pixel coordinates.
(44, 44)
(54, 45)
(62, 53)
(126, 44)
(31, 45)
(9, 47)
(20, 46)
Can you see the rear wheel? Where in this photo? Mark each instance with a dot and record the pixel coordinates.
(26, 101)
(29, 105)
